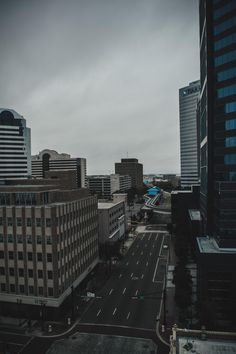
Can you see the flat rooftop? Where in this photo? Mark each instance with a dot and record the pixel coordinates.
(107, 205)
(195, 215)
(208, 346)
(209, 245)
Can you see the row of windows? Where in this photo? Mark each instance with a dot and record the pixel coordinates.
(224, 42)
(31, 289)
(225, 58)
(230, 124)
(230, 142)
(29, 222)
(226, 91)
(29, 256)
(19, 239)
(230, 107)
(21, 272)
(224, 10)
(225, 25)
(227, 74)
(230, 159)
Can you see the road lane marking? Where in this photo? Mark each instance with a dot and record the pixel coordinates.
(127, 263)
(111, 291)
(158, 258)
(133, 254)
(153, 246)
(124, 291)
(141, 253)
(132, 275)
(114, 311)
(145, 245)
(136, 292)
(142, 276)
(150, 253)
(99, 312)
(146, 264)
(137, 262)
(128, 316)
(120, 275)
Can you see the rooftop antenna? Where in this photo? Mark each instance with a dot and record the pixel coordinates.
(127, 154)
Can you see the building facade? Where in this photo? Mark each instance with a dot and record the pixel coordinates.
(217, 249)
(48, 242)
(112, 221)
(105, 185)
(15, 146)
(188, 98)
(50, 160)
(132, 168)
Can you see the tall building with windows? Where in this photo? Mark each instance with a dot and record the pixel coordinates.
(132, 168)
(51, 160)
(189, 157)
(15, 146)
(217, 114)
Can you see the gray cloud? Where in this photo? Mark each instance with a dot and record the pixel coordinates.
(100, 78)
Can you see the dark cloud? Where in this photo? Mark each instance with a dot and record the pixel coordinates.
(100, 78)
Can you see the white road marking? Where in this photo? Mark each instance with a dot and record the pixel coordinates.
(132, 275)
(153, 246)
(146, 264)
(145, 245)
(137, 262)
(142, 276)
(150, 253)
(99, 312)
(128, 316)
(156, 238)
(141, 253)
(120, 275)
(127, 263)
(114, 311)
(111, 291)
(136, 292)
(154, 274)
(124, 291)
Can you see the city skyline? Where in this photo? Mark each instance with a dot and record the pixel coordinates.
(79, 87)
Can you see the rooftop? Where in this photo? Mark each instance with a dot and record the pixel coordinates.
(107, 205)
(208, 346)
(209, 245)
(195, 215)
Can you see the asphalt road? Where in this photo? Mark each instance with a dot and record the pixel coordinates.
(140, 274)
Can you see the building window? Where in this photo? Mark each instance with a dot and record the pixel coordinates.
(40, 290)
(232, 176)
(2, 271)
(49, 257)
(30, 256)
(226, 75)
(39, 257)
(1, 254)
(9, 222)
(31, 289)
(19, 238)
(39, 240)
(224, 10)
(50, 291)
(30, 273)
(225, 25)
(10, 238)
(29, 239)
(1, 221)
(230, 141)
(11, 272)
(18, 221)
(230, 107)
(49, 274)
(226, 91)
(29, 222)
(21, 272)
(12, 288)
(48, 222)
(20, 255)
(10, 255)
(1, 237)
(3, 287)
(49, 240)
(22, 289)
(225, 58)
(230, 159)
(38, 222)
(40, 274)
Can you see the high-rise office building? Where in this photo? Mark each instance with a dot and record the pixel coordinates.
(132, 168)
(15, 146)
(51, 160)
(217, 251)
(188, 98)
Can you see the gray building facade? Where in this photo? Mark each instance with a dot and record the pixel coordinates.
(132, 168)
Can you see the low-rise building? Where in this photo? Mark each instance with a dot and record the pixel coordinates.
(112, 221)
(105, 185)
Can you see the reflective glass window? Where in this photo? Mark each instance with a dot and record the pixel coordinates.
(230, 141)
(226, 91)
(232, 176)
(226, 74)
(225, 58)
(230, 159)
(224, 10)
(224, 42)
(230, 124)
(230, 107)
(225, 25)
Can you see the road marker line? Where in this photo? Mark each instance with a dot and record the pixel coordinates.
(136, 292)
(120, 275)
(99, 312)
(146, 264)
(154, 274)
(145, 245)
(111, 291)
(141, 253)
(127, 263)
(114, 311)
(137, 262)
(153, 246)
(128, 316)
(124, 291)
(142, 276)
(132, 275)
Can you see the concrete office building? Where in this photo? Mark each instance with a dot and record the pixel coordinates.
(48, 242)
(50, 160)
(112, 221)
(105, 185)
(15, 146)
(132, 168)
(216, 284)
(188, 98)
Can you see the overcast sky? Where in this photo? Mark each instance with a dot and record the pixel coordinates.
(100, 78)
